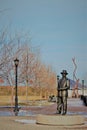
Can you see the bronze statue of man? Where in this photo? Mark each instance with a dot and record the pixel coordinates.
(63, 86)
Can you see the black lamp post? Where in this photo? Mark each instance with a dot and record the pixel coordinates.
(83, 87)
(57, 92)
(57, 78)
(16, 110)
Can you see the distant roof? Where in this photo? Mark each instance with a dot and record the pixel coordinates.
(1, 80)
(72, 84)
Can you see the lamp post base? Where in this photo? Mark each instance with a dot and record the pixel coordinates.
(16, 110)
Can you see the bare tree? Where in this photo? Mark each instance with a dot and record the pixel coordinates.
(10, 48)
(31, 71)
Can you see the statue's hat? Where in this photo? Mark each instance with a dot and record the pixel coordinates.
(64, 72)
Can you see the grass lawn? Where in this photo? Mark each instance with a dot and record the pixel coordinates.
(22, 100)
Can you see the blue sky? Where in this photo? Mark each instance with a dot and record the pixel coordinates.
(57, 27)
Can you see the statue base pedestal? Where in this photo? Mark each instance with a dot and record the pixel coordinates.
(60, 120)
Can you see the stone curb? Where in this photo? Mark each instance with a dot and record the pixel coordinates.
(65, 120)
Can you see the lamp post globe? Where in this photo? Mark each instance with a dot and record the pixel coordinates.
(58, 77)
(16, 61)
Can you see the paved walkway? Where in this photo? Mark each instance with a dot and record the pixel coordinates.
(75, 106)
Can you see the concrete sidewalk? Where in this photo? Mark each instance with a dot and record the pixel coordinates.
(75, 106)
(11, 123)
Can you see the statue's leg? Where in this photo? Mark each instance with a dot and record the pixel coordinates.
(59, 101)
(64, 105)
